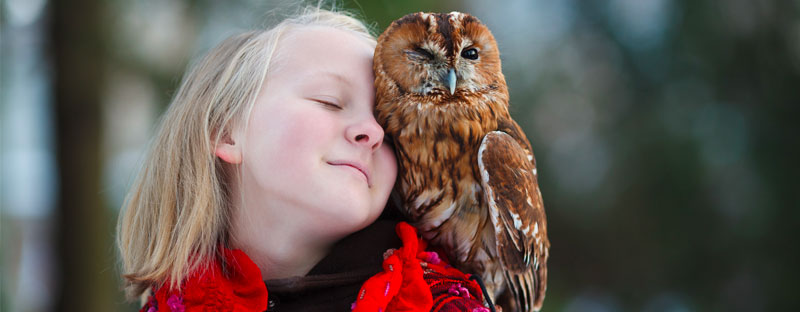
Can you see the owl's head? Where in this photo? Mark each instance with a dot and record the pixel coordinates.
(439, 54)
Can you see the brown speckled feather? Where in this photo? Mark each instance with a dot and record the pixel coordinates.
(516, 210)
(442, 99)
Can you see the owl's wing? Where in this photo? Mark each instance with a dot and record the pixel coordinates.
(515, 204)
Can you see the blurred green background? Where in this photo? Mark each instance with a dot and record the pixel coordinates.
(666, 134)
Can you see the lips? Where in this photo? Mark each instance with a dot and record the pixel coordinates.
(357, 166)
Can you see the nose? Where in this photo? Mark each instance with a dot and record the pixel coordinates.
(366, 132)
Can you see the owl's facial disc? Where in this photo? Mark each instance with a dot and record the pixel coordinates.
(440, 54)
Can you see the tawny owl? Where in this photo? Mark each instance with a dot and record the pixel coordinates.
(468, 178)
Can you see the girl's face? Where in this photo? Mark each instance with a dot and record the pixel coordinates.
(313, 150)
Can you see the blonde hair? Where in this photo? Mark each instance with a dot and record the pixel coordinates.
(177, 210)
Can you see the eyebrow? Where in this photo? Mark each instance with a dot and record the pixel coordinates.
(336, 76)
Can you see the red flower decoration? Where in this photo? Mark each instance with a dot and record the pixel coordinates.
(417, 280)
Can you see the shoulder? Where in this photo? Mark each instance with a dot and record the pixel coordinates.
(414, 279)
(233, 284)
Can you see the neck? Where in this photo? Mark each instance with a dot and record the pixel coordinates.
(289, 251)
(281, 243)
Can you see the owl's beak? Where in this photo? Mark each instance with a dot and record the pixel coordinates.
(451, 80)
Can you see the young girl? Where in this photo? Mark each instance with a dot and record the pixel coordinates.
(268, 173)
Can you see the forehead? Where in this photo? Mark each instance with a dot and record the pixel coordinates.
(318, 48)
(439, 22)
(450, 31)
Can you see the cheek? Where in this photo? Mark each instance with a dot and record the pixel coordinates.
(468, 73)
(298, 128)
(285, 145)
(299, 134)
(387, 164)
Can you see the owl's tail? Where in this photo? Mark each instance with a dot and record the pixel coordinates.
(528, 288)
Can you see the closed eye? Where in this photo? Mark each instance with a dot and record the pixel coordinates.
(329, 105)
(424, 53)
(420, 54)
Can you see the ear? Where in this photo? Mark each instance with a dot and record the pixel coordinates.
(228, 150)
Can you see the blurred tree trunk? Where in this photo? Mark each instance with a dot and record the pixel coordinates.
(84, 234)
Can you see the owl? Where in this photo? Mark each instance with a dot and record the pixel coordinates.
(467, 176)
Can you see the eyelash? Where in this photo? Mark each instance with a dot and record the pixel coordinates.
(329, 104)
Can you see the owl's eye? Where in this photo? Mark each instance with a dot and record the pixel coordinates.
(424, 53)
(471, 53)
